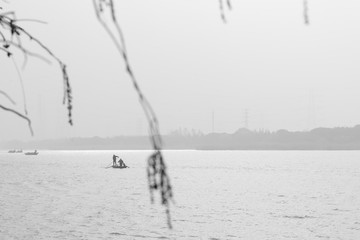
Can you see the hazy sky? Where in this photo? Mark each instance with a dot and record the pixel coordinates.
(189, 65)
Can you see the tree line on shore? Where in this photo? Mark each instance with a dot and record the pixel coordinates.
(339, 138)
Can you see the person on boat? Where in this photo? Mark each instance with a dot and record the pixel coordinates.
(121, 163)
(114, 159)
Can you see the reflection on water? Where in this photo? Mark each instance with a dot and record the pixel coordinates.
(218, 195)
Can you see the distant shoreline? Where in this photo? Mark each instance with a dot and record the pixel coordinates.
(319, 139)
(200, 150)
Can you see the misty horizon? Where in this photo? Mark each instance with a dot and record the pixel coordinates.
(340, 138)
(196, 72)
(182, 131)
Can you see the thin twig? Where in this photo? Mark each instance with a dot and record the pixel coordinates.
(8, 53)
(20, 115)
(8, 21)
(26, 52)
(222, 13)
(222, 8)
(30, 20)
(8, 97)
(229, 4)
(156, 170)
(21, 84)
(306, 12)
(2, 35)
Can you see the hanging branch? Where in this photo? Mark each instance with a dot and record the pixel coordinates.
(8, 97)
(25, 52)
(21, 84)
(306, 12)
(20, 115)
(156, 170)
(12, 39)
(222, 10)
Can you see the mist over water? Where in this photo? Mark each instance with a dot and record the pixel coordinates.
(218, 195)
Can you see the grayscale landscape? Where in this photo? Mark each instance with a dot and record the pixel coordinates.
(242, 139)
(179, 119)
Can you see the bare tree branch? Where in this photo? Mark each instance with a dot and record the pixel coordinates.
(30, 20)
(20, 115)
(222, 9)
(8, 53)
(8, 97)
(306, 12)
(229, 4)
(26, 52)
(21, 84)
(157, 175)
(8, 22)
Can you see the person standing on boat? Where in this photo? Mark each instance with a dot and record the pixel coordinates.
(114, 159)
(121, 163)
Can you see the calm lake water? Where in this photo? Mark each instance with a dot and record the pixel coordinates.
(218, 195)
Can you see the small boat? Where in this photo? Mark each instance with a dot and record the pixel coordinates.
(19, 151)
(32, 153)
(11, 151)
(119, 166)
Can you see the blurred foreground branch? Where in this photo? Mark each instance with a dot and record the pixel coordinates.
(222, 8)
(11, 37)
(7, 97)
(156, 170)
(306, 12)
(19, 115)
